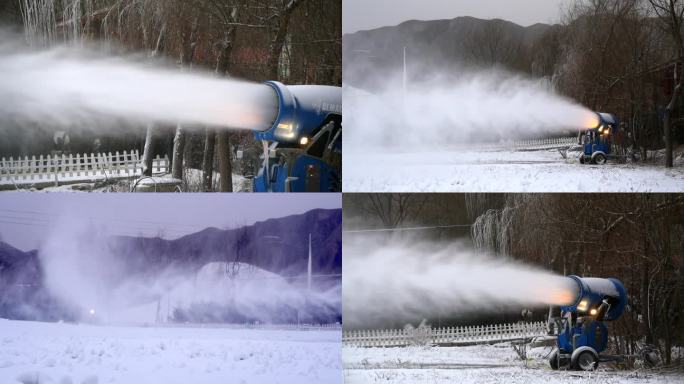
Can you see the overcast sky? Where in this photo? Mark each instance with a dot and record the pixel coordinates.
(369, 14)
(26, 218)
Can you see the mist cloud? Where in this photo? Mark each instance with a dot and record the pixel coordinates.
(81, 87)
(447, 109)
(82, 271)
(404, 278)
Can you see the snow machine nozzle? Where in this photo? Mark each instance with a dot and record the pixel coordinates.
(598, 296)
(302, 146)
(302, 109)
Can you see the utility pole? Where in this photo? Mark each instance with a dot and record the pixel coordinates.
(404, 75)
(308, 275)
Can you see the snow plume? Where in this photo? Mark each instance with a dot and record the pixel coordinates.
(466, 106)
(246, 293)
(107, 284)
(81, 87)
(404, 279)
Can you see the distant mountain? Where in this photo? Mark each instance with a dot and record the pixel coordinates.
(18, 267)
(277, 245)
(22, 295)
(434, 43)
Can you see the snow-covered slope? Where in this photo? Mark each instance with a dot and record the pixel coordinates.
(475, 365)
(32, 352)
(499, 171)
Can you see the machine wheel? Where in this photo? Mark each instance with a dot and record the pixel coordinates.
(599, 158)
(581, 159)
(553, 361)
(557, 363)
(586, 361)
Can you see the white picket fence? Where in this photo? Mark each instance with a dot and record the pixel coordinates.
(445, 336)
(530, 145)
(539, 144)
(258, 326)
(63, 169)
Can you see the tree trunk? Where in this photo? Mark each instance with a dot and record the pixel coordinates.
(224, 153)
(187, 55)
(208, 163)
(177, 158)
(667, 125)
(147, 152)
(279, 38)
(224, 161)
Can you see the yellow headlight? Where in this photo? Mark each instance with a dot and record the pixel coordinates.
(582, 306)
(304, 140)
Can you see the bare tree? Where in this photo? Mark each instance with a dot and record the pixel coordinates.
(281, 22)
(208, 161)
(393, 209)
(494, 45)
(671, 16)
(225, 47)
(187, 54)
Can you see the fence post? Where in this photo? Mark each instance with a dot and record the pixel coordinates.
(32, 167)
(117, 163)
(13, 169)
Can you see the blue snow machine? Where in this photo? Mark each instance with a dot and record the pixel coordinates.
(581, 332)
(302, 149)
(597, 143)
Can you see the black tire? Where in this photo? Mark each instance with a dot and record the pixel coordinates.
(553, 361)
(586, 361)
(581, 159)
(599, 158)
(558, 363)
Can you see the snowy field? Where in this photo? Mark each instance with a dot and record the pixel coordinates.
(500, 171)
(476, 365)
(32, 352)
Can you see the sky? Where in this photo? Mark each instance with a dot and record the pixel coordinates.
(368, 14)
(25, 218)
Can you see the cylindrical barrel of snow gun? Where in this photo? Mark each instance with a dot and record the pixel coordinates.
(604, 299)
(302, 147)
(302, 110)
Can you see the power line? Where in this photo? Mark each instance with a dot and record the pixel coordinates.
(187, 226)
(408, 228)
(112, 227)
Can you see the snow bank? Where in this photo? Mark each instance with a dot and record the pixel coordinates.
(498, 171)
(32, 352)
(476, 364)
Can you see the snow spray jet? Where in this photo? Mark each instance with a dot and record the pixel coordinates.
(78, 87)
(83, 270)
(408, 280)
(452, 110)
(255, 293)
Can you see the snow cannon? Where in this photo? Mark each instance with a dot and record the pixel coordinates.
(580, 330)
(302, 148)
(597, 142)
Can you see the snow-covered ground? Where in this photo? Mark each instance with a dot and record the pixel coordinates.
(476, 364)
(500, 171)
(192, 183)
(32, 352)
